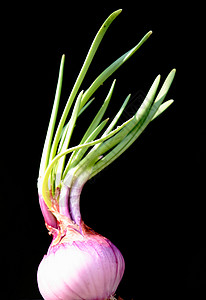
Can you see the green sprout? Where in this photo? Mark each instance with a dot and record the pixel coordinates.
(101, 143)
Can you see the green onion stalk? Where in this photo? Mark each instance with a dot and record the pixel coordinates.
(80, 263)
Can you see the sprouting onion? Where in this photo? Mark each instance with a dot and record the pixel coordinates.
(81, 264)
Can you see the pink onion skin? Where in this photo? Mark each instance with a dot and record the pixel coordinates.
(78, 265)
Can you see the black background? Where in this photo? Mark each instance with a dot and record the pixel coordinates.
(150, 202)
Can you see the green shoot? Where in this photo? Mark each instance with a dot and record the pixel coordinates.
(100, 144)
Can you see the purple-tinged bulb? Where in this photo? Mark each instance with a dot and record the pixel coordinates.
(80, 265)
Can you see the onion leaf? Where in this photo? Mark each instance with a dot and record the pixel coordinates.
(48, 140)
(83, 159)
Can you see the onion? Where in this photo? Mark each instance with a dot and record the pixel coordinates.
(80, 263)
(80, 266)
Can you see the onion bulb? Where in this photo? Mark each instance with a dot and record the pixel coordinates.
(80, 266)
(80, 263)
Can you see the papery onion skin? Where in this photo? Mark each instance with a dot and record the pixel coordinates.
(80, 266)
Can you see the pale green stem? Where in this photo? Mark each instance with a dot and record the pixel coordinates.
(44, 183)
(92, 126)
(78, 154)
(50, 131)
(111, 69)
(139, 128)
(80, 78)
(70, 129)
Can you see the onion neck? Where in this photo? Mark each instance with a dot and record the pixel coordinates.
(49, 218)
(75, 192)
(65, 204)
(69, 232)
